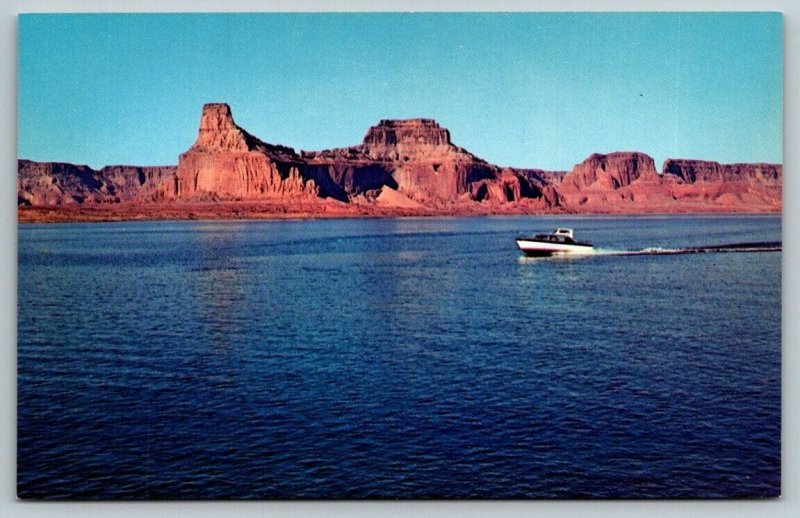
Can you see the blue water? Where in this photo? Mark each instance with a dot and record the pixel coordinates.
(410, 358)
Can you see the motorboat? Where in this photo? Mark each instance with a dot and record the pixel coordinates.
(560, 241)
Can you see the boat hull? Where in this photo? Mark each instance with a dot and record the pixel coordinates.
(544, 248)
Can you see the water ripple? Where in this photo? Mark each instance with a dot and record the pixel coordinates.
(393, 359)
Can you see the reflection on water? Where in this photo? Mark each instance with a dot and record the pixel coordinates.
(219, 281)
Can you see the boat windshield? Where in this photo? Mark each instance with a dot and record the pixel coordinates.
(553, 238)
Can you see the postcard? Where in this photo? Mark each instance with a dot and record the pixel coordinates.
(399, 256)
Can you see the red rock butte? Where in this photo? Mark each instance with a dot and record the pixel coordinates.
(408, 165)
(226, 162)
(414, 136)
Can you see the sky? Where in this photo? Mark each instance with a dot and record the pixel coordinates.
(541, 90)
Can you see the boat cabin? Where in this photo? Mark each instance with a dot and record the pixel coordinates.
(559, 235)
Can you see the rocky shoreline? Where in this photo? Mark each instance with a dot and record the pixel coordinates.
(285, 211)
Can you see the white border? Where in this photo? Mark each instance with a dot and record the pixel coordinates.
(786, 506)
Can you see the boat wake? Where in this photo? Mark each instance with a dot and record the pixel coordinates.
(765, 246)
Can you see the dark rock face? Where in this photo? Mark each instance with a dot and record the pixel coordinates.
(540, 177)
(360, 176)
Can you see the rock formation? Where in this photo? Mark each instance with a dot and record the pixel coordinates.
(725, 184)
(417, 158)
(611, 171)
(691, 171)
(54, 183)
(405, 139)
(226, 162)
(607, 179)
(623, 181)
(408, 164)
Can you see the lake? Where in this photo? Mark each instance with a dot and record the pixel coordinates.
(397, 358)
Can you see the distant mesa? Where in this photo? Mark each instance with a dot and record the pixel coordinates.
(411, 135)
(53, 184)
(408, 164)
(692, 171)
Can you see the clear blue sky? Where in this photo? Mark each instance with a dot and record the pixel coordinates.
(526, 90)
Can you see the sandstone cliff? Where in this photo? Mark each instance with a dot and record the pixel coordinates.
(691, 171)
(226, 162)
(417, 158)
(611, 171)
(627, 182)
(54, 183)
(734, 185)
(409, 164)
(603, 180)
